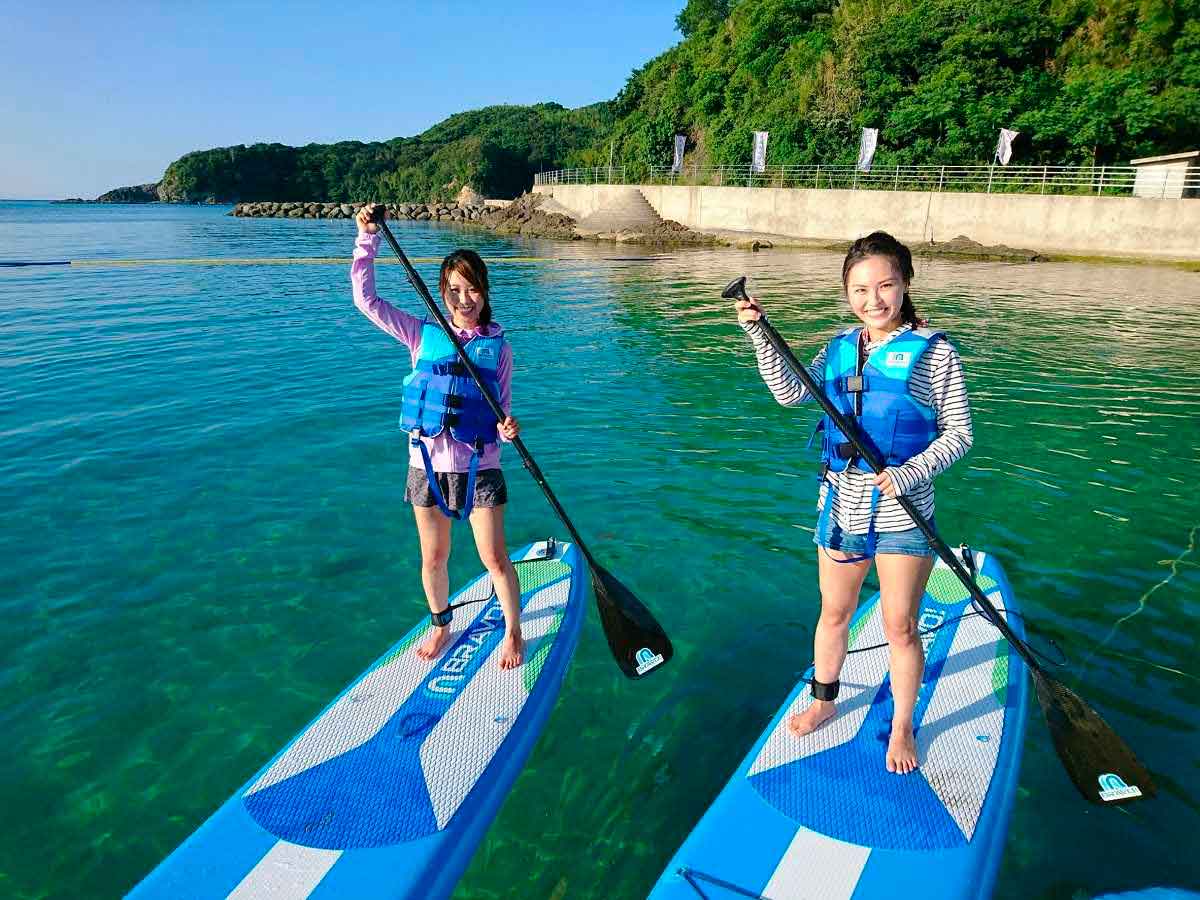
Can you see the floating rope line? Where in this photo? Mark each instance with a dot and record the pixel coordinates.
(1174, 565)
(247, 261)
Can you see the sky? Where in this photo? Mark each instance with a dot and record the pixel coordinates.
(95, 96)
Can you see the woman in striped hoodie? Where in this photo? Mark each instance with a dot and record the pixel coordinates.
(903, 384)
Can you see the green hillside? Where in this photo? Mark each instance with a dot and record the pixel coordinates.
(496, 150)
(1083, 81)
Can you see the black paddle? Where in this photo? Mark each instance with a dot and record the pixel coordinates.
(1099, 763)
(638, 643)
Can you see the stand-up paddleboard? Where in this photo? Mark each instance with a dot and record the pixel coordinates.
(389, 790)
(821, 818)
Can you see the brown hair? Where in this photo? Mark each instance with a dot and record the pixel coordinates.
(470, 266)
(880, 243)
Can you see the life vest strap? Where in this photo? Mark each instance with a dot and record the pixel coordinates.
(435, 489)
(835, 530)
(453, 367)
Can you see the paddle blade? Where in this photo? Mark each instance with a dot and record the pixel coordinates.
(638, 643)
(1102, 766)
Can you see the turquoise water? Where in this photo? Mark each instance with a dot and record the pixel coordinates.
(204, 538)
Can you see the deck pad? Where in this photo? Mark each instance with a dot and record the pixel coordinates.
(402, 772)
(832, 821)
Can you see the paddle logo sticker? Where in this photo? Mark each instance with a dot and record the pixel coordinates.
(646, 660)
(1113, 787)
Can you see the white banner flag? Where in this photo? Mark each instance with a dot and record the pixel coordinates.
(1004, 146)
(760, 152)
(866, 148)
(680, 143)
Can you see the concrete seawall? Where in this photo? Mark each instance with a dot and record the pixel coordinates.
(1102, 226)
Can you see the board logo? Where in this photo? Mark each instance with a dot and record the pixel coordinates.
(646, 660)
(898, 358)
(928, 623)
(459, 663)
(1113, 787)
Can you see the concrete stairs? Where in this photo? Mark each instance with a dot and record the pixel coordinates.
(626, 210)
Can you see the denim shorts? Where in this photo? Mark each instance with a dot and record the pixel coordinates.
(910, 542)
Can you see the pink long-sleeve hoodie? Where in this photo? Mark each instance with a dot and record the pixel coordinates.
(447, 454)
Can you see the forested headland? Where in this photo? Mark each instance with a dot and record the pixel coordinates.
(1083, 81)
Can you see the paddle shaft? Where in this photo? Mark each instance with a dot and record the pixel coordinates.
(414, 278)
(850, 428)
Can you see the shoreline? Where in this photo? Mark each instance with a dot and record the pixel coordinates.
(522, 216)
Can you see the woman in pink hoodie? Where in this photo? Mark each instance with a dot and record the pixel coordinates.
(454, 457)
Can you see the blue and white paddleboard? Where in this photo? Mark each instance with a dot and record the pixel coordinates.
(821, 818)
(389, 790)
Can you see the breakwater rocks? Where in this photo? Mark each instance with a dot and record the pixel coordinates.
(524, 216)
(419, 212)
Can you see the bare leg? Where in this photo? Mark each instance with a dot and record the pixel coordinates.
(434, 531)
(901, 586)
(840, 584)
(488, 525)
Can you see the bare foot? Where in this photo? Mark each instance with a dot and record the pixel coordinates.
(512, 651)
(902, 750)
(820, 712)
(432, 646)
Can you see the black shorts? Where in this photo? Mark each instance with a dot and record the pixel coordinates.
(490, 489)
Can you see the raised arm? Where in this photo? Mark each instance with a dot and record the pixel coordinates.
(403, 326)
(785, 386)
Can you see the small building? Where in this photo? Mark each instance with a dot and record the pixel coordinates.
(1167, 177)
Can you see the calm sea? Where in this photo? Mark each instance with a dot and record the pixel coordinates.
(203, 537)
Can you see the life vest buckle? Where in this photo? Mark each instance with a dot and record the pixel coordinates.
(854, 384)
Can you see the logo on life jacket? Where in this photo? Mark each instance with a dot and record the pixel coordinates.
(646, 660)
(898, 358)
(1113, 787)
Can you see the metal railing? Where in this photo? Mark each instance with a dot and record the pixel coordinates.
(593, 175)
(1078, 180)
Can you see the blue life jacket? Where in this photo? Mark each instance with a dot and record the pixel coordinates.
(896, 423)
(439, 393)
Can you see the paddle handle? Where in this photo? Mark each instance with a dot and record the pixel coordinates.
(850, 428)
(418, 283)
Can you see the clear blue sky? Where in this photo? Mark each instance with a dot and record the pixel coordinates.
(101, 95)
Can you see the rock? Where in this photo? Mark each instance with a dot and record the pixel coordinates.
(963, 247)
(468, 196)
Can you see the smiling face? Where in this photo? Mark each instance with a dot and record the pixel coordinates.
(875, 289)
(463, 300)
